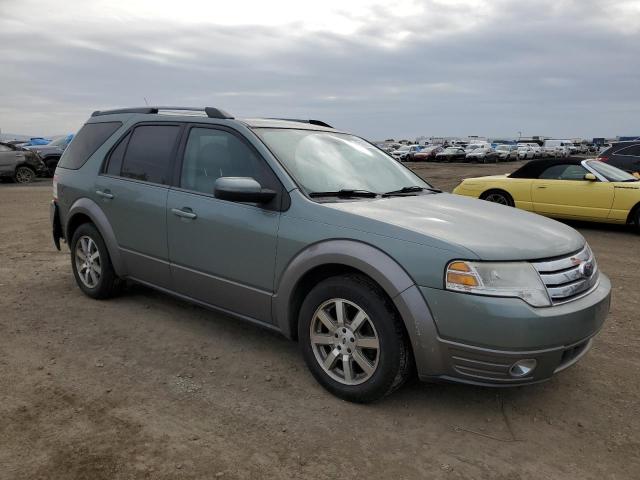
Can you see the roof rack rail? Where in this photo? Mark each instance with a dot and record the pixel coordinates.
(211, 112)
(320, 123)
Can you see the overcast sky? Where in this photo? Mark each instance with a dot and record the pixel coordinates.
(377, 68)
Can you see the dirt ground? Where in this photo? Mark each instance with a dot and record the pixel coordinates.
(146, 386)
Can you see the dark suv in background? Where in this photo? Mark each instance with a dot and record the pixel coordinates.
(52, 151)
(624, 155)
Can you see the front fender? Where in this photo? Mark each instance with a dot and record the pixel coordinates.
(380, 267)
(86, 206)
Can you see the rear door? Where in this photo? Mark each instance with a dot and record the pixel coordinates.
(562, 191)
(222, 252)
(132, 192)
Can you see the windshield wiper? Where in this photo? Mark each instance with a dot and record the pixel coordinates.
(345, 193)
(412, 189)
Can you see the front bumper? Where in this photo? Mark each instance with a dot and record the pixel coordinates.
(480, 338)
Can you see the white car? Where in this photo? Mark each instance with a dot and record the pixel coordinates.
(525, 152)
(537, 149)
(507, 152)
(405, 152)
(557, 148)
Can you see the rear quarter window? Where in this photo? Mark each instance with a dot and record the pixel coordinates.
(90, 137)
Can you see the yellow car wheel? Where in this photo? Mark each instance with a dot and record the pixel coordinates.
(498, 196)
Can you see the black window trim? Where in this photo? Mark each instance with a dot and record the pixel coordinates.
(127, 134)
(283, 199)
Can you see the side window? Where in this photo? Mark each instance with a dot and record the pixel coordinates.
(149, 152)
(211, 154)
(564, 172)
(90, 137)
(4, 148)
(117, 155)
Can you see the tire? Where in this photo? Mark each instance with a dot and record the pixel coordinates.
(51, 166)
(636, 220)
(386, 367)
(24, 174)
(96, 279)
(498, 196)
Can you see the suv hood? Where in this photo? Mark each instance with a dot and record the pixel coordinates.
(491, 231)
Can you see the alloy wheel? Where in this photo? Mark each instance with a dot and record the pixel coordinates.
(24, 175)
(344, 341)
(497, 198)
(88, 263)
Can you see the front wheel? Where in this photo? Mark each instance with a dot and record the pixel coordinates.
(24, 175)
(352, 339)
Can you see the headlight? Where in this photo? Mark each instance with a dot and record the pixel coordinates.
(498, 279)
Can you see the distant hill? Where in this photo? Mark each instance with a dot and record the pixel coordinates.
(4, 137)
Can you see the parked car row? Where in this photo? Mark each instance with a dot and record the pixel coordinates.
(482, 152)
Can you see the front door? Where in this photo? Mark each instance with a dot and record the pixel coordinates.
(132, 193)
(8, 159)
(222, 252)
(562, 191)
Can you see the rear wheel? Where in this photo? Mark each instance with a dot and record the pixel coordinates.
(498, 196)
(24, 174)
(91, 263)
(352, 339)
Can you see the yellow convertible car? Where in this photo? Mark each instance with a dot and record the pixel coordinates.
(565, 188)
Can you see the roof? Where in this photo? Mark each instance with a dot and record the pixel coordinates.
(534, 168)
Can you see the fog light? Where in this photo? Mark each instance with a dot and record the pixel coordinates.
(522, 368)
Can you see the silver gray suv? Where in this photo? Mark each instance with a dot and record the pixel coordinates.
(317, 234)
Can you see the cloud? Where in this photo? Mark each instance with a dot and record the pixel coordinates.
(376, 68)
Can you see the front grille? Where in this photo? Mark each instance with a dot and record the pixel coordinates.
(570, 277)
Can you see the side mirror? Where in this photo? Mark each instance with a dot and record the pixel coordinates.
(590, 177)
(242, 189)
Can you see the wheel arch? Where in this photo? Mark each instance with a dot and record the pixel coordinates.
(632, 213)
(85, 210)
(495, 189)
(336, 257)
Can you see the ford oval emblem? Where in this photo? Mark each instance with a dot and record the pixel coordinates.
(586, 269)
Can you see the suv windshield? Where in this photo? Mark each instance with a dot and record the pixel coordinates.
(59, 142)
(328, 161)
(610, 172)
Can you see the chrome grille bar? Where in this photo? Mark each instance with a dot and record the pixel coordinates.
(569, 277)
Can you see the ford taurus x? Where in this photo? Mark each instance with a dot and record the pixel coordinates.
(319, 235)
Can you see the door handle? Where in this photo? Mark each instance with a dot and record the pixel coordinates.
(105, 194)
(541, 186)
(184, 213)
